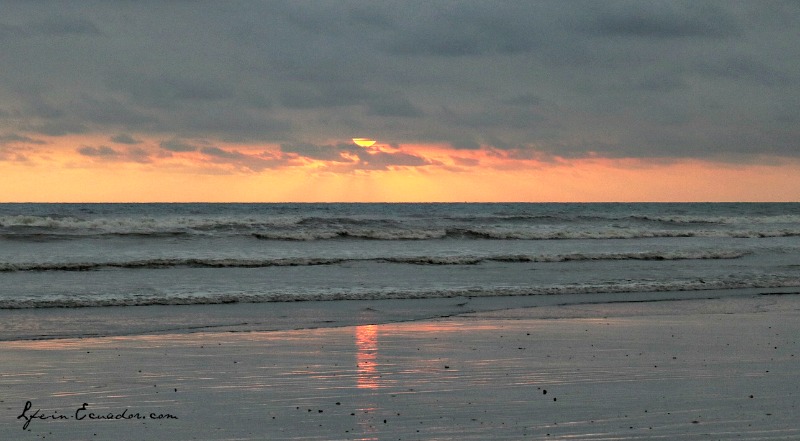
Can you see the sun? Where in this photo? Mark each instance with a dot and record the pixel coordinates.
(363, 142)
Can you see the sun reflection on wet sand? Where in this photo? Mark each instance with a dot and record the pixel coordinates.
(366, 355)
(367, 378)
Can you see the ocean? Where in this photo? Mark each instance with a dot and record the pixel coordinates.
(134, 255)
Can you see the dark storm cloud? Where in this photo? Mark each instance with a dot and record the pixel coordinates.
(13, 138)
(625, 78)
(393, 107)
(323, 95)
(454, 29)
(65, 26)
(746, 68)
(58, 128)
(101, 151)
(54, 26)
(124, 138)
(107, 112)
(167, 92)
(666, 20)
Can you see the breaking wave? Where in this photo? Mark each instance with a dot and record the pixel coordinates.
(314, 228)
(724, 283)
(413, 260)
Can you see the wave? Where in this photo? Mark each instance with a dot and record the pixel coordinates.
(30, 225)
(690, 285)
(679, 220)
(473, 227)
(501, 233)
(410, 234)
(366, 234)
(513, 234)
(413, 260)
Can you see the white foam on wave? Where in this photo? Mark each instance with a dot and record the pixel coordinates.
(415, 260)
(633, 286)
(303, 228)
(143, 225)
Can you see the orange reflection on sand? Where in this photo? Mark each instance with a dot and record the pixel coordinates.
(366, 356)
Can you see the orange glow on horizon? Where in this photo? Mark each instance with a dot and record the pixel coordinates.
(93, 169)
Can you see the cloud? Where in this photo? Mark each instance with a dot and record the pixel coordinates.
(99, 152)
(124, 138)
(106, 153)
(14, 138)
(334, 153)
(464, 29)
(681, 79)
(243, 161)
(15, 147)
(323, 95)
(65, 26)
(666, 20)
(399, 107)
(220, 153)
(384, 160)
(349, 156)
(50, 27)
(107, 111)
(57, 127)
(138, 154)
(175, 145)
(167, 91)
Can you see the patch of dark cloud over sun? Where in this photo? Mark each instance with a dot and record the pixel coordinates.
(387, 160)
(356, 158)
(335, 153)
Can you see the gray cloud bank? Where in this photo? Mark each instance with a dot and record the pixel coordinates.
(718, 79)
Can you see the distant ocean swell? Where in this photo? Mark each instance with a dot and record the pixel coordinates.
(699, 285)
(411, 234)
(505, 234)
(414, 260)
(307, 228)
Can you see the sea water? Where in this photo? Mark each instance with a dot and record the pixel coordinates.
(100, 256)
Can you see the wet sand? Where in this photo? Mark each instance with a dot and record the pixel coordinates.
(690, 369)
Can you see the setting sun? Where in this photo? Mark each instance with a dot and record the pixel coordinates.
(363, 142)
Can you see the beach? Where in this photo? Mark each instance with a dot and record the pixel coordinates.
(437, 321)
(715, 368)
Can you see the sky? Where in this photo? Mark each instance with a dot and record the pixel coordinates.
(118, 100)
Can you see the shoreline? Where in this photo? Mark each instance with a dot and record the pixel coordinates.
(109, 321)
(721, 368)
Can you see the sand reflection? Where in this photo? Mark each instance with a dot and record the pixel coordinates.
(366, 356)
